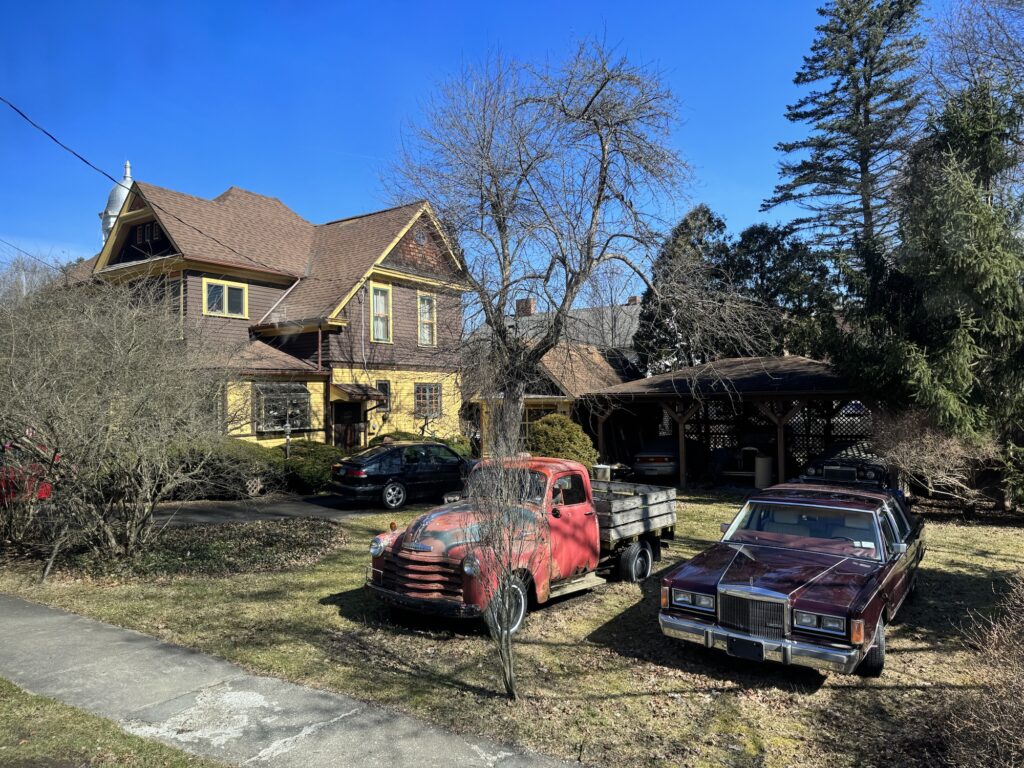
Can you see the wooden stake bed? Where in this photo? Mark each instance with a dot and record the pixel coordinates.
(626, 510)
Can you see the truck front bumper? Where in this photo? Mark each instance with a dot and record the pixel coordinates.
(430, 606)
(824, 658)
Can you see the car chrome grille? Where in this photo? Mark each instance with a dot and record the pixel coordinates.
(421, 575)
(762, 618)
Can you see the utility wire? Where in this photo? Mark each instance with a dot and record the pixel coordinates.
(99, 170)
(26, 253)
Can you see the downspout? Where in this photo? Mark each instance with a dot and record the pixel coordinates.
(319, 348)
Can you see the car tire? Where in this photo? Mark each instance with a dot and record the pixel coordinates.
(874, 660)
(394, 495)
(519, 594)
(636, 562)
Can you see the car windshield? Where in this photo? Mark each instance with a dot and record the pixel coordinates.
(515, 484)
(850, 533)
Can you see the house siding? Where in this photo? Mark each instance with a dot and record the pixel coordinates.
(229, 331)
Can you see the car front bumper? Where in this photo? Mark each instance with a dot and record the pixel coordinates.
(794, 652)
(432, 607)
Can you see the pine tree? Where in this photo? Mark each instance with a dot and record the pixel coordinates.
(663, 338)
(860, 118)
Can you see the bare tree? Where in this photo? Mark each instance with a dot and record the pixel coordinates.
(543, 176)
(100, 376)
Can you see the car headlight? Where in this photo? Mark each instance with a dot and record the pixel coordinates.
(376, 547)
(833, 624)
(471, 566)
(685, 599)
(819, 623)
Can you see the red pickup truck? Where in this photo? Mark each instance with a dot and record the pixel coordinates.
(574, 529)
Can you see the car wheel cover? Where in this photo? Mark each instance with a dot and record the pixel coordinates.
(642, 565)
(394, 495)
(518, 609)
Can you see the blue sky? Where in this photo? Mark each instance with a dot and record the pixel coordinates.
(307, 101)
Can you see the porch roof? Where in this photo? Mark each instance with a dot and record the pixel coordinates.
(351, 392)
(259, 357)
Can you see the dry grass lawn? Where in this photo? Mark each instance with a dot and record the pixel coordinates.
(599, 681)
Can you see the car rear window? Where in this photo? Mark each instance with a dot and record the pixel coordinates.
(827, 530)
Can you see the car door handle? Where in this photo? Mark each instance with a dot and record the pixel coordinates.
(589, 513)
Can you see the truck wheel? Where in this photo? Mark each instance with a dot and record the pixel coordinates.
(513, 593)
(636, 561)
(393, 495)
(874, 661)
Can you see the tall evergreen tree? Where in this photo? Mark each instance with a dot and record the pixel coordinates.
(950, 329)
(844, 173)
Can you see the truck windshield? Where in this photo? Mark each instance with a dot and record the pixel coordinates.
(850, 533)
(511, 484)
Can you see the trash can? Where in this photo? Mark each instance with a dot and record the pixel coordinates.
(762, 471)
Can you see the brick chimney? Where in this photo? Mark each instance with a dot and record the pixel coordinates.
(632, 301)
(526, 307)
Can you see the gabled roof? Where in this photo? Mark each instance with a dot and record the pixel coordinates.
(578, 369)
(245, 230)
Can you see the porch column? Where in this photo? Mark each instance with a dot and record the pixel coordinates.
(780, 419)
(601, 419)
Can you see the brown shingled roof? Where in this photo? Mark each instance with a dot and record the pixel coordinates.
(259, 357)
(579, 368)
(788, 375)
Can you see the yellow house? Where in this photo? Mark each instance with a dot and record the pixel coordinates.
(334, 332)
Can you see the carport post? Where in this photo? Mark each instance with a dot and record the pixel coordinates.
(780, 420)
(681, 419)
(601, 419)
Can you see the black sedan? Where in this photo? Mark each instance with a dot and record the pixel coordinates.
(398, 472)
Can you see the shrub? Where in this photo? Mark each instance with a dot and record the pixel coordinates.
(234, 469)
(560, 437)
(308, 468)
(985, 720)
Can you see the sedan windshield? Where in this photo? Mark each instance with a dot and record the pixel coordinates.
(830, 531)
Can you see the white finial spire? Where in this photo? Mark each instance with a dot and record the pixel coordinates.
(116, 199)
(127, 171)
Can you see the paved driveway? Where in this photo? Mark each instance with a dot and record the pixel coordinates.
(274, 508)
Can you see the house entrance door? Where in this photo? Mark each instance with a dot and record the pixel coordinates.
(347, 423)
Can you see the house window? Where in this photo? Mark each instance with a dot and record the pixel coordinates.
(225, 299)
(385, 387)
(281, 403)
(427, 401)
(427, 320)
(380, 313)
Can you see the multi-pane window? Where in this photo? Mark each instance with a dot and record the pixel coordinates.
(384, 386)
(225, 299)
(282, 403)
(380, 312)
(427, 320)
(427, 401)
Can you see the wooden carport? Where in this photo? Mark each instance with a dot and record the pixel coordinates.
(807, 397)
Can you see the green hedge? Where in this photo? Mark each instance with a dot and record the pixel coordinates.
(308, 468)
(237, 468)
(560, 437)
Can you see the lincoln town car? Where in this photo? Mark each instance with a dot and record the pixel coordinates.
(805, 574)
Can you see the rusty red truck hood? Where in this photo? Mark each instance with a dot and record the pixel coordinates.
(825, 580)
(447, 531)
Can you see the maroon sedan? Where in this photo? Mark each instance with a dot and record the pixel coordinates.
(805, 574)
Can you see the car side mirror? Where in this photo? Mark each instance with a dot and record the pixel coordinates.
(901, 548)
(556, 512)
(724, 527)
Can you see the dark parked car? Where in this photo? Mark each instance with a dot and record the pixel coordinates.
(805, 574)
(659, 459)
(397, 472)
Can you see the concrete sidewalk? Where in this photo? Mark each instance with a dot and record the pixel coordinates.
(210, 707)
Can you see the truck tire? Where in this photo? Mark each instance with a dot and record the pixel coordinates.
(874, 661)
(393, 495)
(518, 595)
(636, 561)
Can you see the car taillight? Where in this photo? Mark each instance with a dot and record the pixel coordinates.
(356, 473)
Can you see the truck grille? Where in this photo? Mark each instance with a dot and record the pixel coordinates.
(761, 618)
(421, 575)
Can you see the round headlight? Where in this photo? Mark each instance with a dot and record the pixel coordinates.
(871, 474)
(376, 547)
(471, 566)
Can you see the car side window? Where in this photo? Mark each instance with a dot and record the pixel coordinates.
(888, 533)
(439, 454)
(569, 489)
(902, 525)
(414, 455)
(390, 462)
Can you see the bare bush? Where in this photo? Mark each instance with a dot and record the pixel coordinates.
(103, 377)
(929, 457)
(985, 721)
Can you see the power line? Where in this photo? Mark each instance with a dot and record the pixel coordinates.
(26, 253)
(99, 170)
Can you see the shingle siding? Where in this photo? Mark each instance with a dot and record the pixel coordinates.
(229, 331)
